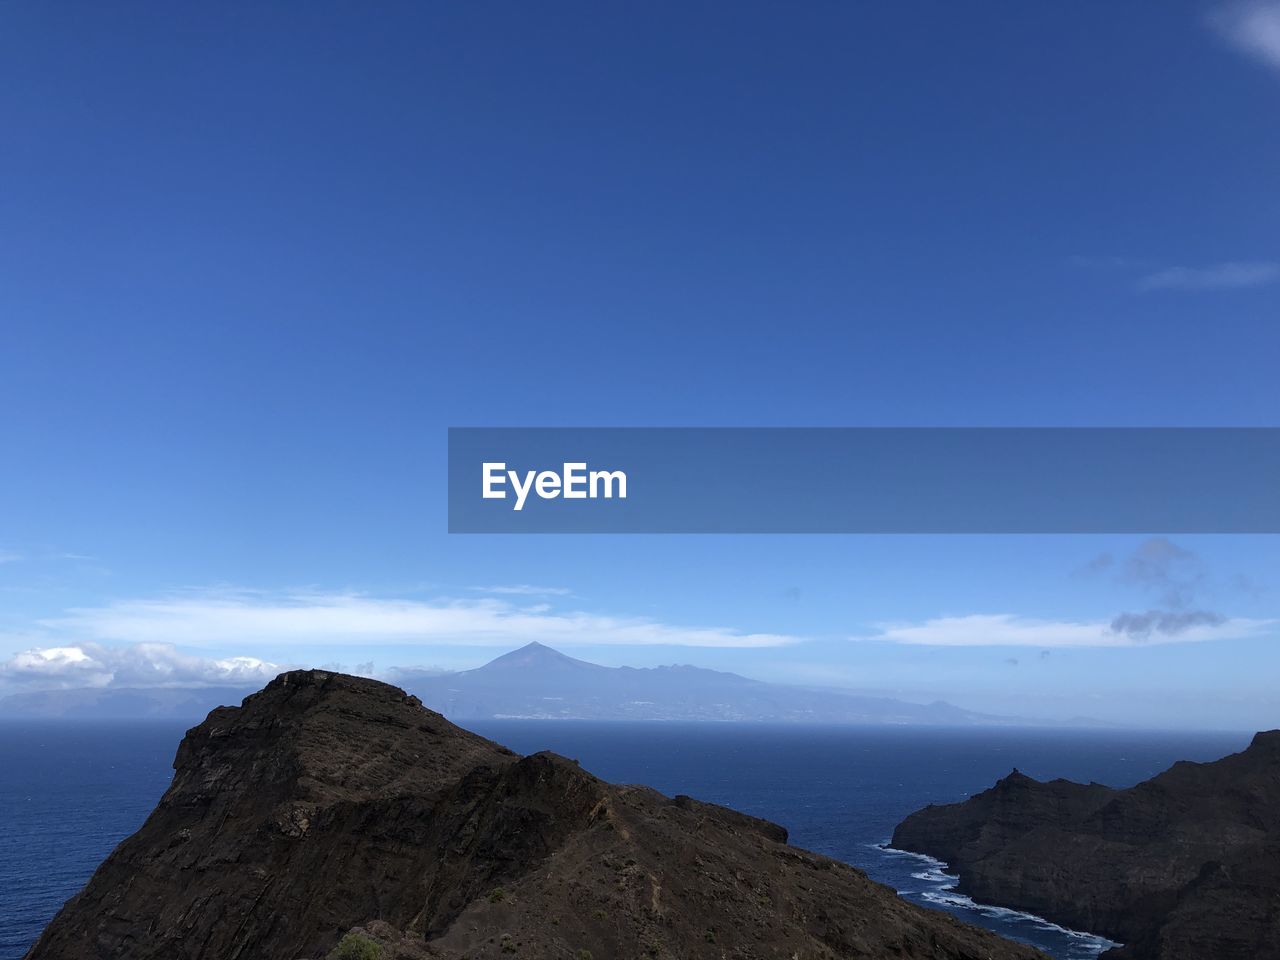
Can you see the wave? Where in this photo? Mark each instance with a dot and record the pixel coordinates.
(944, 895)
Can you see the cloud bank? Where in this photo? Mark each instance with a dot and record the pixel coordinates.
(1127, 630)
(526, 590)
(212, 620)
(1253, 27)
(1235, 275)
(136, 665)
(1160, 564)
(1170, 623)
(1173, 577)
(1174, 580)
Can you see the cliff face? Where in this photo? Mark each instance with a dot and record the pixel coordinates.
(1181, 867)
(327, 804)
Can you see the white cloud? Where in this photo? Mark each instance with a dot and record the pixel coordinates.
(1253, 26)
(1009, 630)
(1220, 276)
(219, 619)
(526, 590)
(137, 665)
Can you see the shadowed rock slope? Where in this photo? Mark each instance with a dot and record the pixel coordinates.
(328, 804)
(1184, 866)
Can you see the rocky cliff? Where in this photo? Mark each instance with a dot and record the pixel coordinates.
(329, 808)
(1185, 866)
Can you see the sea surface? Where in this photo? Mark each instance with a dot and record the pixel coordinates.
(69, 792)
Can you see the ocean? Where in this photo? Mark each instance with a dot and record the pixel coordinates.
(69, 792)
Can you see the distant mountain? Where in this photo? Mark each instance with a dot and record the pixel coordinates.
(121, 703)
(537, 682)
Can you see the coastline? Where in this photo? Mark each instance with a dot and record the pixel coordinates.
(943, 895)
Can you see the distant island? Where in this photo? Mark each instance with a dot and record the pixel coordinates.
(1184, 866)
(536, 682)
(539, 683)
(335, 816)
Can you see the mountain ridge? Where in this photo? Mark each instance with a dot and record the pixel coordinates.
(538, 682)
(329, 807)
(1183, 866)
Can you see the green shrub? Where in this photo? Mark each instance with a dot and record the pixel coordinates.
(497, 895)
(356, 947)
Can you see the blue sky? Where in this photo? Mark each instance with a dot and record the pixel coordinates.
(255, 262)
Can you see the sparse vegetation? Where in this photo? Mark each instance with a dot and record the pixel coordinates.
(584, 955)
(355, 946)
(497, 895)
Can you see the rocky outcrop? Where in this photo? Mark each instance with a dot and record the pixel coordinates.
(331, 807)
(1181, 867)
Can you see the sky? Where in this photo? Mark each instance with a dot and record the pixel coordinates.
(256, 260)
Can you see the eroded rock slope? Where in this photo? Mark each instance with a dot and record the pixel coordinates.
(1184, 866)
(328, 804)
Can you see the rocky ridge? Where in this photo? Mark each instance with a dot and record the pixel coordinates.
(329, 806)
(1183, 866)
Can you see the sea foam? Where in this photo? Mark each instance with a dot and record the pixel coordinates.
(1084, 946)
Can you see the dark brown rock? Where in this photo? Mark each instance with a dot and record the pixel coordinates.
(328, 804)
(1180, 867)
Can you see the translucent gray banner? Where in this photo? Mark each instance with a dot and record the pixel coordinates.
(864, 480)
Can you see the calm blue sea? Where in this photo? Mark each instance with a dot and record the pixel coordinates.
(69, 792)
